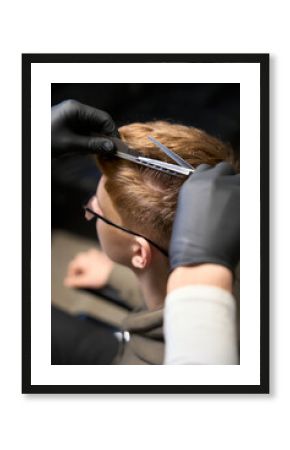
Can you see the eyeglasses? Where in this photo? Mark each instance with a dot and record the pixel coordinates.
(90, 214)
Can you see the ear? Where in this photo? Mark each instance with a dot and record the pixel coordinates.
(141, 253)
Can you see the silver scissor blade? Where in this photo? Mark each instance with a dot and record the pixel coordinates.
(180, 161)
(156, 164)
(124, 152)
(127, 156)
(165, 165)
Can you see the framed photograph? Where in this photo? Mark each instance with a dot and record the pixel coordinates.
(90, 324)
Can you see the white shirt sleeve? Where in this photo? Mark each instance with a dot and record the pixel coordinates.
(200, 326)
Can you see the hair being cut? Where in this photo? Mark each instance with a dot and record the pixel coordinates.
(146, 199)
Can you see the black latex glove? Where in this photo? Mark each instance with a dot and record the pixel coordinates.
(207, 223)
(74, 127)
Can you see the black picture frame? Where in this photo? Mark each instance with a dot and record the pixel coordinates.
(27, 61)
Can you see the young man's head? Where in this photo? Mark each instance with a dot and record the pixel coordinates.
(142, 199)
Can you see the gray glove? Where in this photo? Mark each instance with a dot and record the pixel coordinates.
(207, 222)
(78, 128)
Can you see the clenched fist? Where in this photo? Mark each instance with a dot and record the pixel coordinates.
(89, 269)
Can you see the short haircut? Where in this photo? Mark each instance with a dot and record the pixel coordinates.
(146, 199)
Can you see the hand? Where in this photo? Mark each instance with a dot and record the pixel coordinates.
(89, 270)
(207, 223)
(74, 129)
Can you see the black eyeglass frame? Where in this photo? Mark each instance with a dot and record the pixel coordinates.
(107, 221)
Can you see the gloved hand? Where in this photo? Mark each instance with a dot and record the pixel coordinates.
(74, 127)
(207, 222)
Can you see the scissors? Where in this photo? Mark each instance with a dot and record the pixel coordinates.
(181, 168)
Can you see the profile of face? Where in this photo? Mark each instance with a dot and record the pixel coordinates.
(112, 240)
(121, 247)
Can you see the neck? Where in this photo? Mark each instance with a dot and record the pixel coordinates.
(153, 282)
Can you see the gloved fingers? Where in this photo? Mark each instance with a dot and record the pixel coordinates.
(100, 146)
(192, 178)
(99, 121)
(202, 168)
(224, 168)
(213, 172)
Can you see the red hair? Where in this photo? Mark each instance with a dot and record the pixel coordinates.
(145, 198)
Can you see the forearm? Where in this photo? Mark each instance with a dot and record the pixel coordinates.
(200, 323)
(204, 274)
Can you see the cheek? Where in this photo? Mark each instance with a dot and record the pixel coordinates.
(114, 243)
(103, 234)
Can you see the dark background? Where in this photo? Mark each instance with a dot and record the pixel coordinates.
(214, 108)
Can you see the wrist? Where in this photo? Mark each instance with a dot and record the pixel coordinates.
(207, 274)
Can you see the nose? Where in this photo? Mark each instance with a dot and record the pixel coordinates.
(94, 205)
(88, 215)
